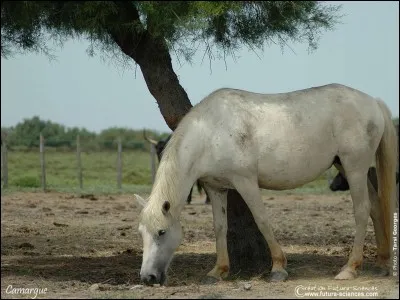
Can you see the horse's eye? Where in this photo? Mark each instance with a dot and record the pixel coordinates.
(161, 232)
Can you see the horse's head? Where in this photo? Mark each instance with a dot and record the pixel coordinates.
(160, 148)
(161, 234)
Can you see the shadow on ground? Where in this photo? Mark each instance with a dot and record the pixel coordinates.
(188, 268)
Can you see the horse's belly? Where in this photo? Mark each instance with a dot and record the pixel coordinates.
(271, 183)
(292, 173)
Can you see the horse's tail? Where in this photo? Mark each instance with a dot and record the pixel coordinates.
(386, 161)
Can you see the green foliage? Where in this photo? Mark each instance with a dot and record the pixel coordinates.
(25, 135)
(130, 139)
(220, 27)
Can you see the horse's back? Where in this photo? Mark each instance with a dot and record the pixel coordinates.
(315, 96)
(335, 105)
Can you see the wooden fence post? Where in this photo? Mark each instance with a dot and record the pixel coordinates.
(153, 162)
(78, 156)
(4, 163)
(119, 165)
(42, 162)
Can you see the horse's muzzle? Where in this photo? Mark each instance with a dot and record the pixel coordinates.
(151, 279)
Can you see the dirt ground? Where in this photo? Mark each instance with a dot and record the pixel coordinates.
(89, 247)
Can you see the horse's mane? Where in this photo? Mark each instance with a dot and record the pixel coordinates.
(166, 186)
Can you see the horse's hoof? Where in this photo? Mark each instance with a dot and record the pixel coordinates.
(346, 274)
(278, 276)
(209, 280)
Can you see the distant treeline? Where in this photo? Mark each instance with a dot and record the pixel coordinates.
(26, 136)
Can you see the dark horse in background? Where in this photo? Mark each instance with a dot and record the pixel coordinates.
(160, 145)
(339, 183)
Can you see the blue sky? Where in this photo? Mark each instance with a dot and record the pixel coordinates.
(78, 90)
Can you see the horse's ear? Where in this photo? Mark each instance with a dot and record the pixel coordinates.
(165, 207)
(141, 201)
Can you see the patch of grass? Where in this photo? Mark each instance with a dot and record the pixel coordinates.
(99, 170)
(26, 182)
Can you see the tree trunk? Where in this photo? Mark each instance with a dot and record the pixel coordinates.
(248, 250)
(249, 253)
(152, 55)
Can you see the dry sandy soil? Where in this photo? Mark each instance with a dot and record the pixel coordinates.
(89, 247)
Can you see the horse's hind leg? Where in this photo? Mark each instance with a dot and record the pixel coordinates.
(357, 178)
(376, 216)
(248, 188)
(383, 252)
(219, 209)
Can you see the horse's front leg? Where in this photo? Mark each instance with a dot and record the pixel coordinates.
(219, 209)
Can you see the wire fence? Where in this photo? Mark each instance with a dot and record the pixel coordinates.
(83, 166)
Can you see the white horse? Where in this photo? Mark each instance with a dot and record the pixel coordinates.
(246, 141)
